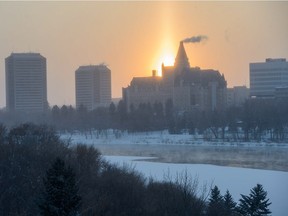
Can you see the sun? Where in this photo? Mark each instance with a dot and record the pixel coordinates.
(164, 55)
(167, 59)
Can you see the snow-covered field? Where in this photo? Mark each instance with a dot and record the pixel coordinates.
(155, 138)
(236, 180)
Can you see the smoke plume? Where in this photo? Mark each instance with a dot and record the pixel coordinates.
(195, 39)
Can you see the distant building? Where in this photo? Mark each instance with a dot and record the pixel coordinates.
(281, 92)
(93, 86)
(265, 77)
(144, 90)
(189, 88)
(26, 82)
(237, 95)
(116, 100)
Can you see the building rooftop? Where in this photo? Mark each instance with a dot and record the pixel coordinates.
(90, 68)
(276, 60)
(25, 55)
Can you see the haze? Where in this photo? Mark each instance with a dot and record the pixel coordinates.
(133, 38)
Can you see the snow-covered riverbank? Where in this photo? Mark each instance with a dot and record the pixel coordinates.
(186, 148)
(156, 138)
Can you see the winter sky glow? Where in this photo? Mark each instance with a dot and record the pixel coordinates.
(133, 38)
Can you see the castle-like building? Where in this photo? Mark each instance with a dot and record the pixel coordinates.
(189, 88)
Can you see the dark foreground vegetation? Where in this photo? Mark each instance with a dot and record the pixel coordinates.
(42, 175)
(255, 120)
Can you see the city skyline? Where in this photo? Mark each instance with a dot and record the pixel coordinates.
(134, 38)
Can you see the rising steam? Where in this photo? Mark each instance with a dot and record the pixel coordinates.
(195, 39)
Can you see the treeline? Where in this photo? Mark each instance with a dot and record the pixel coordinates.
(41, 174)
(145, 117)
(255, 120)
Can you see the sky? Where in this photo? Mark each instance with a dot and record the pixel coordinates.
(135, 37)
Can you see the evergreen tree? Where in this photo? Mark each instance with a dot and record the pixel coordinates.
(112, 109)
(3, 134)
(256, 203)
(60, 195)
(229, 205)
(216, 203)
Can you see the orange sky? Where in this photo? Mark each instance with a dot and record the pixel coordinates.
(133, 37)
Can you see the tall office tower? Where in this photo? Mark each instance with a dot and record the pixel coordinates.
(26, 85)
(93, 86)
(266, 77)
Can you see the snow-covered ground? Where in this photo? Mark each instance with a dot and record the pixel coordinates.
(236, 180)
(186, 148)
(155, 137)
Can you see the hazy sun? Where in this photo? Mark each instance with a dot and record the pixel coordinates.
(167, 59)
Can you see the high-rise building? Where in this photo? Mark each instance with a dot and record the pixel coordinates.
(26, 85)
(93, 86)
(265, 77)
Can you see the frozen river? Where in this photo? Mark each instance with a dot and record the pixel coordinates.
(236, 180)
(185, 153)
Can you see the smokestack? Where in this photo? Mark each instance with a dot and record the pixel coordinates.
(195, 39)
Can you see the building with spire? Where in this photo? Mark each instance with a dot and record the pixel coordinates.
(181, 60)
(190, 88)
